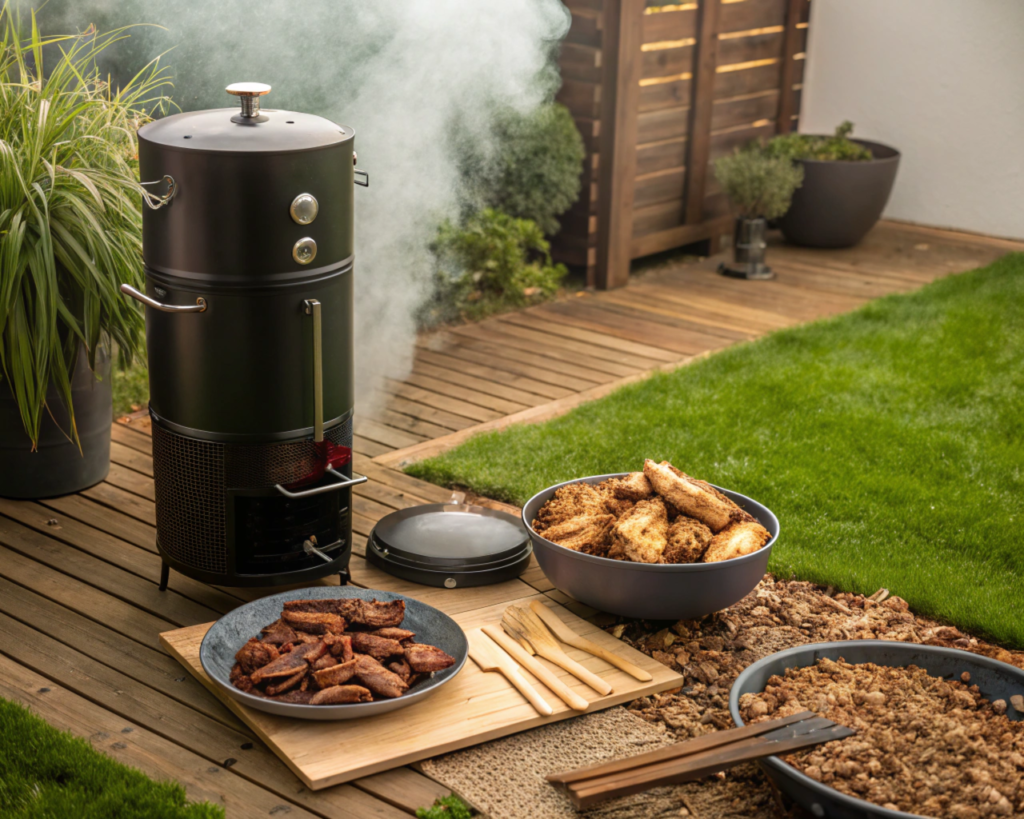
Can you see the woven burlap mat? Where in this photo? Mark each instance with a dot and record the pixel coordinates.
(505, 778)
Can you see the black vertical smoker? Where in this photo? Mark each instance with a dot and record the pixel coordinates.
(248, 253)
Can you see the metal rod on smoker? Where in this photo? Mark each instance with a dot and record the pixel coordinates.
(313, 308)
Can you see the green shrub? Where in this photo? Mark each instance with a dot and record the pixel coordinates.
(836, 148)
(447, 807)
(758, 185)
(489, 263)
(533, 168)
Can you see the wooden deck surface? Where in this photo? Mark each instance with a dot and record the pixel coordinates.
(79, 606)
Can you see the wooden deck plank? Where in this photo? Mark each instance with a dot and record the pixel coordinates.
(503, 406)
(122, 501)
(424, 414)
(497, 373)
(530, 318)
(140, 662)
(130, 437)
(368, 448)
(539, 365)
(89, 512)
(142, 705)
(381, 433)
(404, 788)
(446, 403)
(460, 378)
(155, 756)
(127, 456)
(131, 481)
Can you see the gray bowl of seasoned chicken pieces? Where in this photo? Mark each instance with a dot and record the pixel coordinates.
(651, 591)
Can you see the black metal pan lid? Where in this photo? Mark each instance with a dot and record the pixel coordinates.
(450, 545)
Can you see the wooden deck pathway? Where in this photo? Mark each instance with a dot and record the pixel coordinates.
(79, 607)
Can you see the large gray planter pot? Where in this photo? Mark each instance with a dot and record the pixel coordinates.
(839, 202)
(58, 467)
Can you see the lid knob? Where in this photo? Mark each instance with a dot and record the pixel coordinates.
(249, 94)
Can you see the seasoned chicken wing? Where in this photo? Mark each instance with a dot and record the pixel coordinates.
(586, 533)
(282, 685)
(634, 487)
(689, 498)
(688, 539)
(742, 538)
(400, 634)
(380, 648)
(642, 533)
(335, 675)
(571, 501)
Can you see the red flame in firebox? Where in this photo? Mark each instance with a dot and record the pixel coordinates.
(328, 454)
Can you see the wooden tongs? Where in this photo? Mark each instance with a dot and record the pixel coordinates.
(696, 758)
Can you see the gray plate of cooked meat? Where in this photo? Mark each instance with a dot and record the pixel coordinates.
(331, 653)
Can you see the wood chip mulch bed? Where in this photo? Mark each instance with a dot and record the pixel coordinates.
(712, 652)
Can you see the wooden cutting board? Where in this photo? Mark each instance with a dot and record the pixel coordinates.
(472, 708)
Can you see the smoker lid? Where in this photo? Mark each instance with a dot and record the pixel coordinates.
(451, 542)
(216, 130)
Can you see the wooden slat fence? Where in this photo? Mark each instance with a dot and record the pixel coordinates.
(658, 92)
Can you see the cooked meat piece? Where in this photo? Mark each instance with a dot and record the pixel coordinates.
(287, 683)
(295, 696)
(571, 501)
(303, 637)
(399, 634)
(239, 679)
(742, 538)
(586, 533)
(634, 487)
(336, 675)
(688, 539)
(379, 648)
(378, 614)
(738, 513)
(691, 500)
(378, 679)
(401, 668)
(341, 694)
(340, 646)
(327, 661)
(255, 654)
(415, 678)
(314, 622)
(423, 658)
(614, 505)
(287, 664)
(329, 606)
(278, 634)
(642, 533)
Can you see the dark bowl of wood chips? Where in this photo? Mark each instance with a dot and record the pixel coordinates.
(923, 746)
(224, 639)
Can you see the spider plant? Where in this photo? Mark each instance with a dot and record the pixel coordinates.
(70, 209)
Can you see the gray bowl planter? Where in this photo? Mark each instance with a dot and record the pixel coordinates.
(651, 591)
(839, 202)
(58, 467)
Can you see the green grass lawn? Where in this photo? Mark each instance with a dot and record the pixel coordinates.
(48, 773)
(889, 442)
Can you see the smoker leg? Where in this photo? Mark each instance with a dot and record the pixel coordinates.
(344, 577)
(165, 573)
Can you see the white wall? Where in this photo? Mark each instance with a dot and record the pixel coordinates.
(942, 81)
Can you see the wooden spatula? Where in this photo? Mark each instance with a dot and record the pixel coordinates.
(571, 638)
(524, 624)
(486, 654)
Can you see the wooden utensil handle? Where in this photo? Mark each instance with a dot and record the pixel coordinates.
(570, 698)
(565, 633)
(528, 691)
(560, 658)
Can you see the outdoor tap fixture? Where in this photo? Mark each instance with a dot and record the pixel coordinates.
(250, 341)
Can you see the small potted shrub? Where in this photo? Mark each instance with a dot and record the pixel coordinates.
(70, 235)
(846, 186)
(759, 188)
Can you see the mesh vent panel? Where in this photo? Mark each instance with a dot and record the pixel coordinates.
(255, 466)
(193, 476)
(189, 478)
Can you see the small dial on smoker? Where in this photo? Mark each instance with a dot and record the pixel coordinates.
(304, 251)
(304, 208)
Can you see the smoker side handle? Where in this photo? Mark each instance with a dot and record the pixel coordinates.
(198, 307)
(319, 490)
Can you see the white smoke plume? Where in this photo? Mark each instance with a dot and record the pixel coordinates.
(400, 73)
